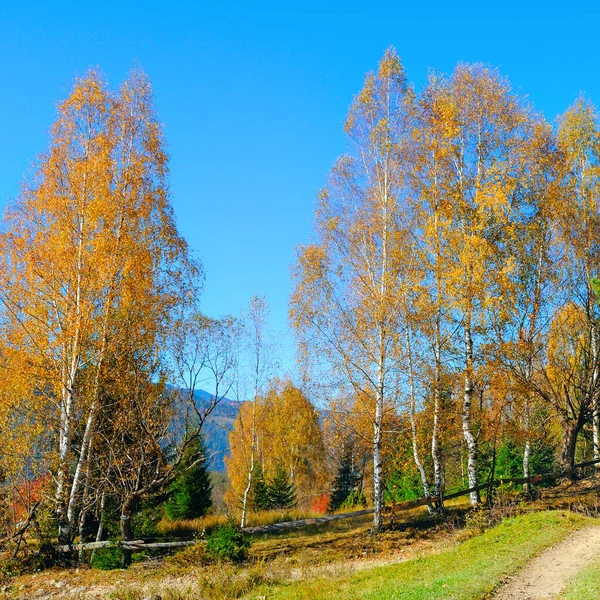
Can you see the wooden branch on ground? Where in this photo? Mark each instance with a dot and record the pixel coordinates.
(135, 545)
(305, 522)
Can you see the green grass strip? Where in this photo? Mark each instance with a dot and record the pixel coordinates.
(586, 586)
(467, 572)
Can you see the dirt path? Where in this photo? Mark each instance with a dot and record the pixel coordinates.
(547, 575)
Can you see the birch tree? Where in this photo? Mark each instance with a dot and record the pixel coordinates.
(577, 228)
(483, 132)
(259, 364)
(90, 243)
(348, 284)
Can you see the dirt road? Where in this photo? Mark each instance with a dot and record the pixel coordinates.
(547, 575)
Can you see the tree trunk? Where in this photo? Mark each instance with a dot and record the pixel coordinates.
(526, 457)
(377, 433)
(413, 423)
(596, 432)
(470, 439)
(84, 509)
(596, 398)
(251, 469)
(68, 393)
(126, 529)
(377, 483)
(438, 488)
(568, 446)
(527, 449)
(247, 490)
(64, 524)
(100, 529)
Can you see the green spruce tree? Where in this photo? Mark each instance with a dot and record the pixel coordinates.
(189, 494)
(346, 481)
(260, 489)
(281, 491)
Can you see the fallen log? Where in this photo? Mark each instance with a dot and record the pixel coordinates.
(135, 545)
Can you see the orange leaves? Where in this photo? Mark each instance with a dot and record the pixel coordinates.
(287, 432)
(94, 266)
(578, 132)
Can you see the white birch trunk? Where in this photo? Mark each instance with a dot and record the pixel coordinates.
(438, 484)
(527, 450)
(250, 473)
(68, 397)
(377, 463)
(413, 423)
(435, 445)
(470, 439)
(595, 395)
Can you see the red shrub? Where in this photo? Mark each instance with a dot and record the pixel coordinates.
(320, 504)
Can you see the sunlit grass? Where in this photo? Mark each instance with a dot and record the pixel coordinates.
(469, 571)
(586, 585)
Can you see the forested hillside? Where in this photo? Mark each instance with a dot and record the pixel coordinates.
(217, 428)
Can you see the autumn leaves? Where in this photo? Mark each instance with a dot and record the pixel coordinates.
(92, 268)
(462, 222)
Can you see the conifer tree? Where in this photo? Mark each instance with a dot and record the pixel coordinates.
(345, 482)
(260, 491)
(281, 491)
(189, 494)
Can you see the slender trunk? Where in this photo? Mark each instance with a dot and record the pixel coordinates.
(413, 423)
(438, 488)
(251, 469)
(68, 391)
(377, 437)
(247, 490)
(438, 484)
(594, 391)
(381, 363)
(470, 439)
(100, 530)
(66, 417)
(527, 450)
(596, 431)
(64, 450)
(377, 462)
(84, 508)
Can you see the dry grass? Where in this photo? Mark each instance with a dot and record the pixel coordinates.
(205, 524)
(582, 496)
(330, 549)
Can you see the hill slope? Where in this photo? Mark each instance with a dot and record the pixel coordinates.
(216, 427)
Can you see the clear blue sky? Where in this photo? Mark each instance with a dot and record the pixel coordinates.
(253, 100)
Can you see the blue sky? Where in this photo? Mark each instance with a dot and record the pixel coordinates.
(253, 99)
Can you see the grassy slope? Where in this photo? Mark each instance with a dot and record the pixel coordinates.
(586, 586)
(468, 571)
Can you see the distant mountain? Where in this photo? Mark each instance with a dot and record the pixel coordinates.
(216, 427)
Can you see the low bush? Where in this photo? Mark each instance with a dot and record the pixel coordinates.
(355, 499)
(320, 504)
(107, 559)
(228, 542)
